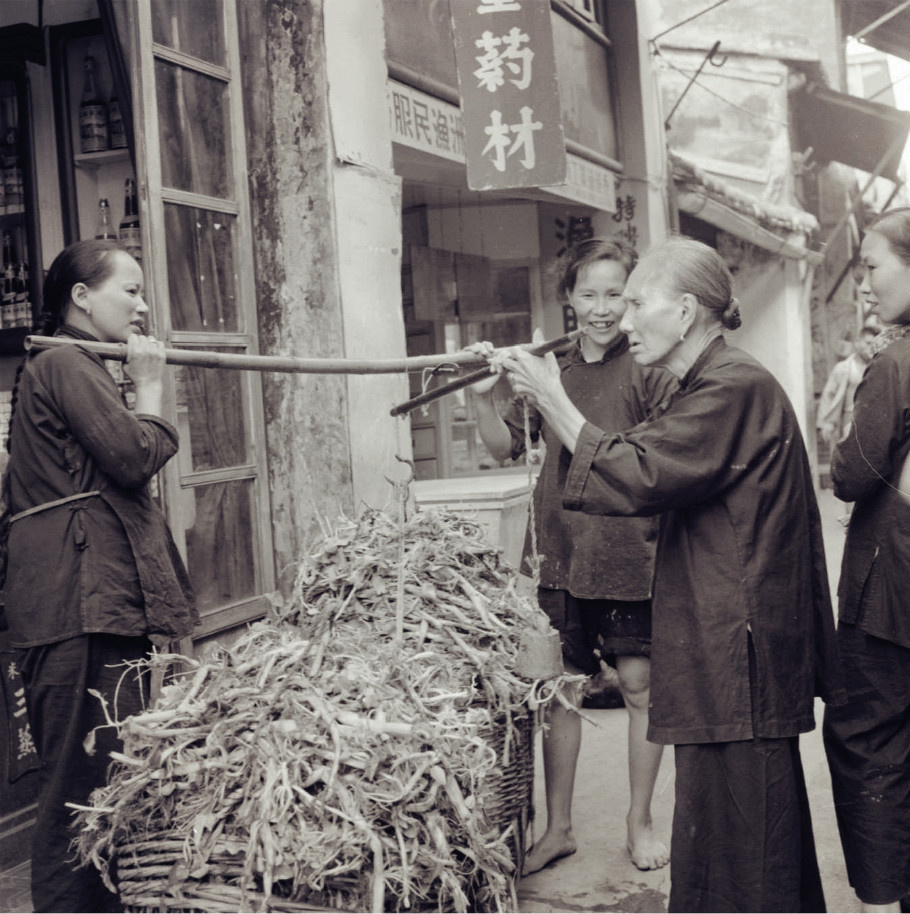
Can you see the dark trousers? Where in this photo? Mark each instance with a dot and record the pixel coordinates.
(62, 713)
(742, 832)
(867, 741)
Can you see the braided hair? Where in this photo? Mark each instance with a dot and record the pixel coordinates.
(87, 262)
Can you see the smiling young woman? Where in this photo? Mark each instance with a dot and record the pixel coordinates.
(595, 572)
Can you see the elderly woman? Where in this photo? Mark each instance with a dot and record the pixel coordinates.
(743, 632)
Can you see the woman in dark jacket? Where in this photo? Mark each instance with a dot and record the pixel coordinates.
(743, 633)
(868, 740)
(595, 605)
(94, 577)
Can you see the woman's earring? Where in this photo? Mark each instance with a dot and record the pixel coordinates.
(682, 337)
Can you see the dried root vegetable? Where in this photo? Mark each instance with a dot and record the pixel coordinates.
(341, 753)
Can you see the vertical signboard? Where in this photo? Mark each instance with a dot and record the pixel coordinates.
(509, 94)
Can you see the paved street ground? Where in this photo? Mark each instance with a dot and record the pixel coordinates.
(600, 877)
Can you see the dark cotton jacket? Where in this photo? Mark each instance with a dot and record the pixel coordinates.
(740, 563)
(874, 588)
(106, 563)
(593, 558)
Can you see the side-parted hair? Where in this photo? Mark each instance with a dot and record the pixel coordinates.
(580, 256)
(894, 226)
(88, 262)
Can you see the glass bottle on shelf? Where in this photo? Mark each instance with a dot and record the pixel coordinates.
(8, 299)
(3, 120)
(93, 135)
(12, 171)
(23, 306)
(117, 129)
(130, 236)
(104, 228)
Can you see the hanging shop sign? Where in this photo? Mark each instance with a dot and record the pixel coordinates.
(420, 121)
(509, 94)
(588, 183)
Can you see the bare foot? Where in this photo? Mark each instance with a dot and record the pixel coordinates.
(551, 847)
(647, 852)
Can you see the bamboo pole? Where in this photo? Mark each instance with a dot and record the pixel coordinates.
(478, 375)
(287, 364)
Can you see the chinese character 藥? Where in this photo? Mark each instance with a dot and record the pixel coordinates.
(490, 72)
(498, 132)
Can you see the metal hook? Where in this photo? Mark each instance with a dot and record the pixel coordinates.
(402, 488)
(412, 472)
(711, 54)
(701, 66)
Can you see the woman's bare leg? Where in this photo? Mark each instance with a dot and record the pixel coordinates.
(561, 745)
(647, 852)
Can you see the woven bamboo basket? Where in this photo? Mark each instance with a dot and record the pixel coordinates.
(155, 875)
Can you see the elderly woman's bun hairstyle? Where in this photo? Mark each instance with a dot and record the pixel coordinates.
(687, 265)
(894, 225)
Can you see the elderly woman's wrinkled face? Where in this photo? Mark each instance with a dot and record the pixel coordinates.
(653, 318)
(886, 285)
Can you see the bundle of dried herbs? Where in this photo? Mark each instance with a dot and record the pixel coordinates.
(347, 752)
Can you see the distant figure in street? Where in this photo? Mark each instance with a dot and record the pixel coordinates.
(94, 575)
(868, 739)
(595, 572)
(743, 635)
(835, 407)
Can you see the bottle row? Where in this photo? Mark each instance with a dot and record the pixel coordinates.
(12, 198)
(128, 232)
(15, 302)
(100, 123)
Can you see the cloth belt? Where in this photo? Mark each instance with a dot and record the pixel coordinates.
(53, 504)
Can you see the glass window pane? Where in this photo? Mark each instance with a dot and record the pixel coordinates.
(201, 273)
(194, 122)
(219, 542)
(211, 418)
(194, 27)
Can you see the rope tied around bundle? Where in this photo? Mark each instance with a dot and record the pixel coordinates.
(402, 494)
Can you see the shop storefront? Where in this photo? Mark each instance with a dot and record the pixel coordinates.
(125, 121)
(299, 185)
(476, 264)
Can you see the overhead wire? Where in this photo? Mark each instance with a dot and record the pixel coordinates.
(686, 21)
(717, 95)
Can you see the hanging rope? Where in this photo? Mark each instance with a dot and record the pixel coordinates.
(532, 457)
(402, 493)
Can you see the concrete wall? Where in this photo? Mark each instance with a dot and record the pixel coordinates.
(297, 288)
(774, 300)
(643, 149)
(367, 206)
